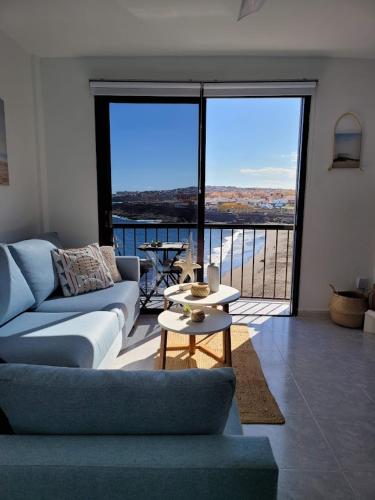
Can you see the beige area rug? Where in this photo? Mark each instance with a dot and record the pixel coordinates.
(255, 401)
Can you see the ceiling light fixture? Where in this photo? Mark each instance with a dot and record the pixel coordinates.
(249, 7)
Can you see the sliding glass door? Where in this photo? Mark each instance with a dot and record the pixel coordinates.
(252, 157)
(229, 171)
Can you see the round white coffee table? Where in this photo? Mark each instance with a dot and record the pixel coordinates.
(223, 297)
(216, 321)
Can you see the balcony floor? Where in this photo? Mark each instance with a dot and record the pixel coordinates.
(243, 307)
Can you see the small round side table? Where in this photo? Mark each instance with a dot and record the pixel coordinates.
(223, 297)
(175, 321)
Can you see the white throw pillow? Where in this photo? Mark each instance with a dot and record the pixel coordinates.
(81, 270)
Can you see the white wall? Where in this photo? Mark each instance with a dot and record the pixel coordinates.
(20, 209)
(338, 242)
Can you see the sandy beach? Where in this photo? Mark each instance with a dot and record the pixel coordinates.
(252, 285)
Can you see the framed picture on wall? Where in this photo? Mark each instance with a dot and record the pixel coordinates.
(347, 142)
(4, 172)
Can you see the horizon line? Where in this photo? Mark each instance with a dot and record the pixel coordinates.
(208, 186)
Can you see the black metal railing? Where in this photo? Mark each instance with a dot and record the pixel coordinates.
(256, 259)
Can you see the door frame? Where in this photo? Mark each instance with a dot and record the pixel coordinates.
(103, 154)
(104, 180)
(300, 203)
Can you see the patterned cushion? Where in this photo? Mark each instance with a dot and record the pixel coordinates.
(81, 270)
(110, 260)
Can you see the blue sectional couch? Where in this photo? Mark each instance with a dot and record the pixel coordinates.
(40, 326)
(112, 434)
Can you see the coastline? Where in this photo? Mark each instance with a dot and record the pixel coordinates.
(252, 286)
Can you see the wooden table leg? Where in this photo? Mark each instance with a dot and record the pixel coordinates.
(228, 348)
(224, 348)
(163, 348)
(191, 345)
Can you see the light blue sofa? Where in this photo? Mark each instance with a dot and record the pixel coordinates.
(112, 434)
(40, 326)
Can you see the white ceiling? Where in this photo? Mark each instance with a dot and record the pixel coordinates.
(55, 28)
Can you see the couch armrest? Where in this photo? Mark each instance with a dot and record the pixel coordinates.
(129, 267)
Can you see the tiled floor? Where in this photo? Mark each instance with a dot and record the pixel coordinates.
(323, 378)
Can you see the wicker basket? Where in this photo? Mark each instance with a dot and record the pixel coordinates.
(348, 308)
(200, 289)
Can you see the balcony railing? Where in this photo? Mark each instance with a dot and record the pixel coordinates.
(256, 259)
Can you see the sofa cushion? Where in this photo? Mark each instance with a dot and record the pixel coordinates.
(138, 468)
(233, 425)
(81, 270)
(121, 299)
(35, 261)
(15, 294)
(50, 400)
(52, 237)
(61, 339)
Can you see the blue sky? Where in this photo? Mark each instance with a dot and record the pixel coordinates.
(249, 143)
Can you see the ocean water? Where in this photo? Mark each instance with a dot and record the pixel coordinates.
(218, 244)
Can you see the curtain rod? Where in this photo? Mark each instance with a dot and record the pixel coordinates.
(137, 80)
(191, 88)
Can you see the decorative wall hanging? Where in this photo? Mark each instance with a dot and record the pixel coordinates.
(4, 173)
(347, 142)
